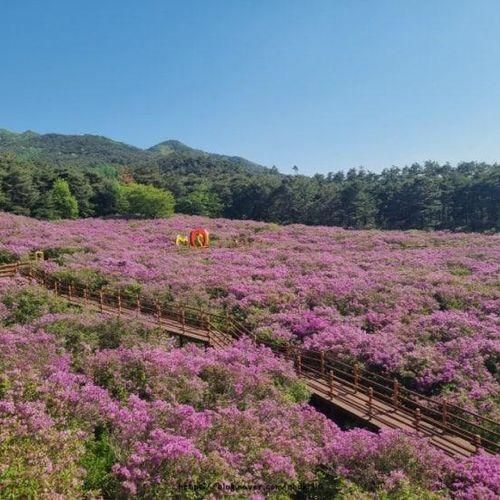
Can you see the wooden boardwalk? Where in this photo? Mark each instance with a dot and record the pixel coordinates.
(379, 401)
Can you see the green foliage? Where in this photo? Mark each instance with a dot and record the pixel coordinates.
(293, 391)
(18, 190)
(105, 196)
(7, 257)
(57, 253)
(82, 278)
(81, 150)
(146, 201)
(62, 202)
(428, 196)
(79, 337)
(459, 269)
(5, 385)
(29, 303)
(97, 461)
(266, 335)
(201, 201)
(25, 473)
(326, 485)
(450, 301)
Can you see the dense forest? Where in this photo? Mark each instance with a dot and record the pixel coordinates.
(96, 172)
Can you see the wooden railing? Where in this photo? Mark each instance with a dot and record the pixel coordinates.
(325, 370)
(7, 270)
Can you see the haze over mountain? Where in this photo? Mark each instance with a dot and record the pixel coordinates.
(95, 149)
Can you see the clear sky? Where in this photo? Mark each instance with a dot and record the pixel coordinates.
(325, 85)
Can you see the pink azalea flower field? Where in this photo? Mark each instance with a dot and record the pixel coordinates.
(94, 405)
(423, 306)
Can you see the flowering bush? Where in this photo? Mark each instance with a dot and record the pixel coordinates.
(477, 477)
(420, 305)
(37, 459)
(388, 461)
(93, 406)
(240, 374)
(141, 419)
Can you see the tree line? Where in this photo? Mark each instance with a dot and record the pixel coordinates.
(428, 196)
(36, 189)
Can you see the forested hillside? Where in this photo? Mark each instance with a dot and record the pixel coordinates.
(428, 196)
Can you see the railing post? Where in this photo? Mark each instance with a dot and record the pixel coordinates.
(356, 376)
(395, 393)
(298, 362)
(330, 384)
(201, 320)
(70, 292)
(206, 325)
(370, 402)
(158, 313)
(477, 442)
(138, 304)
(444, 413)
(418, 417)
(183, 320)
(119, 302)
(322, 362)
(85, 296)
(101, 300)
(56, 287)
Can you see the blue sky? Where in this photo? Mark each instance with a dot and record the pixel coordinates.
(326, 85)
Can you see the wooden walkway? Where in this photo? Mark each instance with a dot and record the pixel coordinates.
(379, 401)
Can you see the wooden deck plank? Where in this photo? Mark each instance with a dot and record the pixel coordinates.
(384, 416)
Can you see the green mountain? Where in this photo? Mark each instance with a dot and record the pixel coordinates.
(428, 196)
(94, 150)
(171, 147)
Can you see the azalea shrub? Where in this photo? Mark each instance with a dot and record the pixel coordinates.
(39, 458)
(139, 416)
(136, 416)
(98, 407)
(422, 306)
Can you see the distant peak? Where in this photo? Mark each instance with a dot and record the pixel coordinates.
(174, 143)
(170, 145)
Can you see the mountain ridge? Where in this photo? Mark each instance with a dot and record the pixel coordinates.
(95, 149)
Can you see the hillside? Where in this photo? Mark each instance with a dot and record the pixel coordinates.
(419, 196)
(167, 148)
(93, 406)
(94, 150)
(419, 306)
